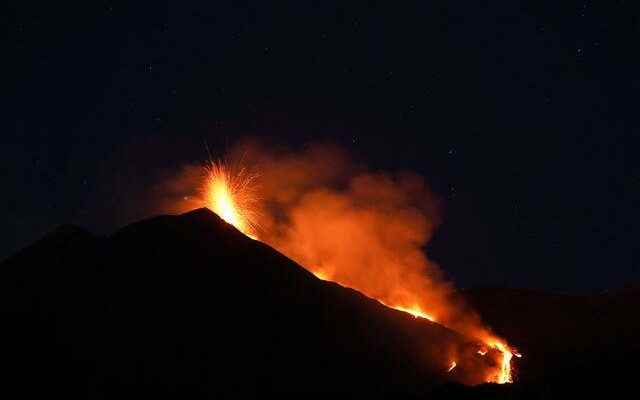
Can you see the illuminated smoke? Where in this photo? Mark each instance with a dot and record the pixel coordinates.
(362, 229)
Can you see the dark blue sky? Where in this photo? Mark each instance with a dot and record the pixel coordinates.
(521, 115)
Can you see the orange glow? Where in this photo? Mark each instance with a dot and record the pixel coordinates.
(504, 374)
(321, 275)
(375, 249)
(231, 196)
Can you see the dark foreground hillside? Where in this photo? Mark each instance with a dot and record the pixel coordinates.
(186, 306)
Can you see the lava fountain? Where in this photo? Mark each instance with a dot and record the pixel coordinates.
(232, 194)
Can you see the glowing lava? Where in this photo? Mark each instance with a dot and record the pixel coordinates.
(504, 374)
(231, 196)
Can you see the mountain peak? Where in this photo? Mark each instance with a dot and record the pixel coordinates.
(202, 212)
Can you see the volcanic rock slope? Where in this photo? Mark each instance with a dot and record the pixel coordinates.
(188, 306)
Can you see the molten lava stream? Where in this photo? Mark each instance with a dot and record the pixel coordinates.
(504, 374)
(232, 196)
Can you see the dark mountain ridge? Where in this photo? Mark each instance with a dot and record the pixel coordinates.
(187, 305)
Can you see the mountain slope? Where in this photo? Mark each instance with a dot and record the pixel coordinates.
(187, 305)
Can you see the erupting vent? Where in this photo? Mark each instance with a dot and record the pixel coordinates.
(231, 196)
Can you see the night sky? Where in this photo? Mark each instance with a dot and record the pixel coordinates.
(522, 116)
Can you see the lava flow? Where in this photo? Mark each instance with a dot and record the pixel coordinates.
(334, 220)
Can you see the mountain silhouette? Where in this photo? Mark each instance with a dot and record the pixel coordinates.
(189, 306)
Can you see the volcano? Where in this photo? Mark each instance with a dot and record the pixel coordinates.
(187, 305)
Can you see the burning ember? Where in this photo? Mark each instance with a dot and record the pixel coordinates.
(452, 366)
(348, 237)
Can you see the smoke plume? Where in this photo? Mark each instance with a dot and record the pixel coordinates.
(363, 229)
